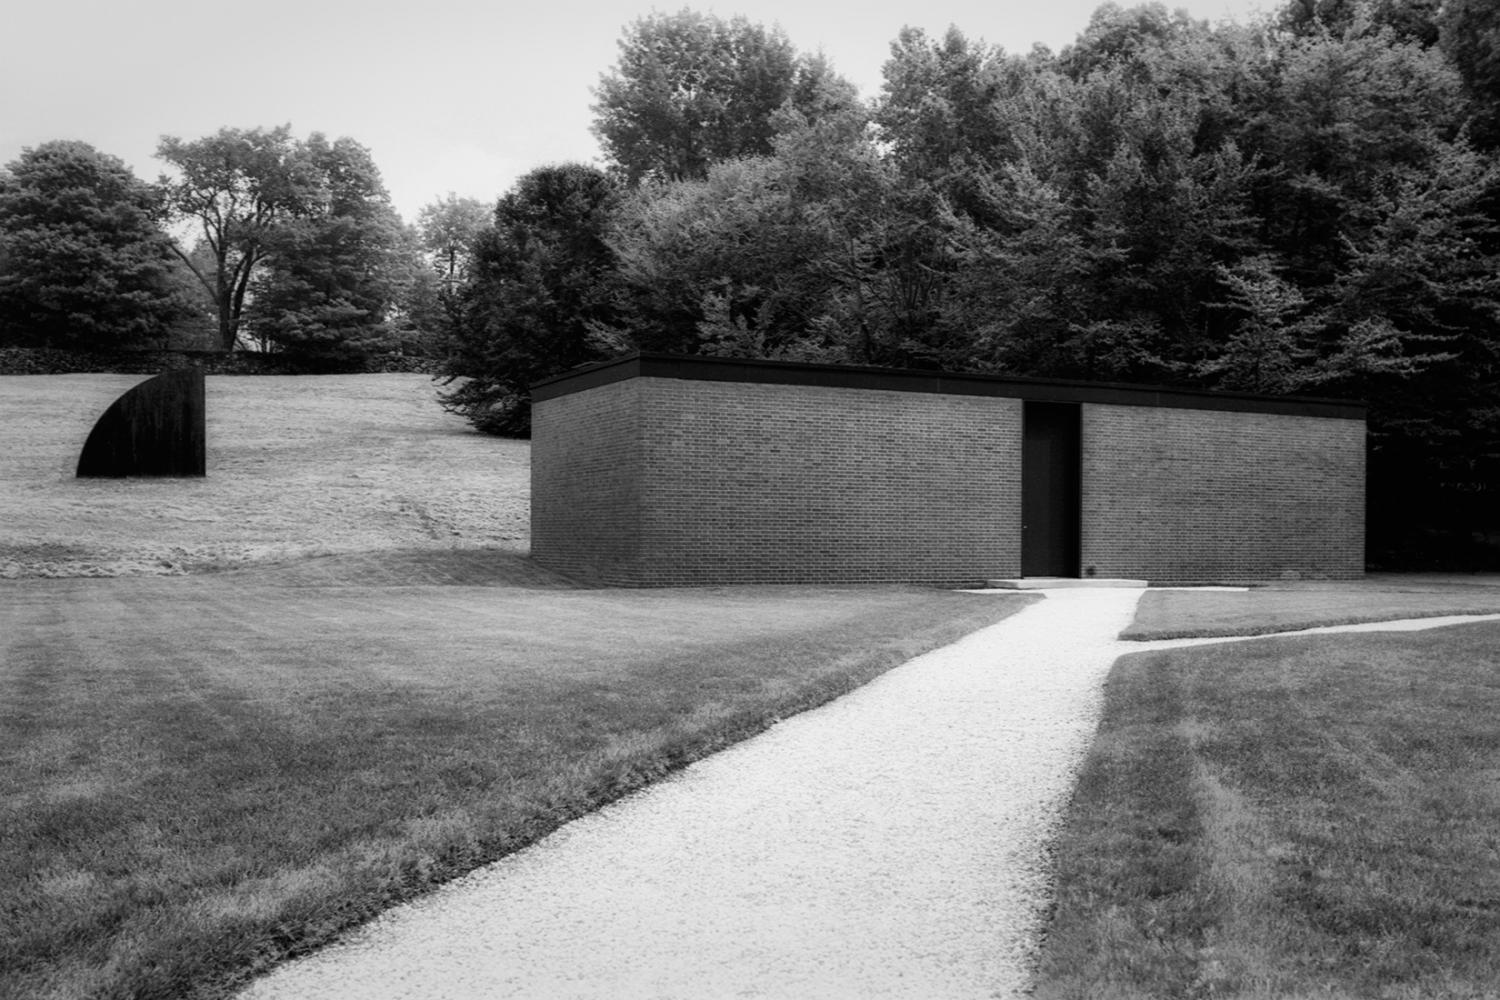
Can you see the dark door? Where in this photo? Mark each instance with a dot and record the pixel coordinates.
(1050, 493)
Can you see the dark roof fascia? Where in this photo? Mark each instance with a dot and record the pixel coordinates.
(710, 369)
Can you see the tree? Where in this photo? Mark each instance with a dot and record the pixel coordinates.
(693, 252)
(1274, 332)
(538, 285)
(332, 276)
(82, 260)
(238, 186)
(691, 89)
(1107, 235)
(197, 329)
(1410, 20)
(1339, 119)
(1138, 37)
(873, 236)
(1471, 38)
(939, 103)
(423, 317)
(822, 251)
(447, 228)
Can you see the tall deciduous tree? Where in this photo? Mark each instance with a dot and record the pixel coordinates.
(1340, 114)
(1471, 37)
(940, 104)
(236, 188)
(691, 89)
(447, 228)
(818, 252)
(423, 318)
(1409, 20)
(82, 260)
(538, 285)
(707, 265)
(334, 274)
(1137, 39)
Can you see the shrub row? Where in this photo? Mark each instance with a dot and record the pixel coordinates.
(55, 361)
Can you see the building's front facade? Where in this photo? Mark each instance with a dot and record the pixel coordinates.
(654, 470)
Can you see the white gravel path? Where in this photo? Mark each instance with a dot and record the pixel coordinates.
(889, 844)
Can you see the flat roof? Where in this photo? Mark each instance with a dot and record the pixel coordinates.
(714, 369)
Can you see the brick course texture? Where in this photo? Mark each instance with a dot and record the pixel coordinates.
(669, 481)
(586, 480)
(1199, 496)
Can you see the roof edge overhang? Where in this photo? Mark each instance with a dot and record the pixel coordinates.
(714, 369)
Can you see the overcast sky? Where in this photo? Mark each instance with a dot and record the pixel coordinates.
(462, 96)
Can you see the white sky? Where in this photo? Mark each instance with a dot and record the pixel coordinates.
(462, 96)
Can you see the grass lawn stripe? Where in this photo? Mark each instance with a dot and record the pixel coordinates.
(1177, 614)
(204, 775)
(1288, 818)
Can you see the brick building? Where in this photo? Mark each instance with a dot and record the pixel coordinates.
(654, 470)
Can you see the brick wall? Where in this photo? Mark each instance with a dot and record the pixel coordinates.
(661, 481)
(777, 483)
(586, 483)
(787, 484)
(1183, 495)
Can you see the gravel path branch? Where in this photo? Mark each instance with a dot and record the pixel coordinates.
(889, 844)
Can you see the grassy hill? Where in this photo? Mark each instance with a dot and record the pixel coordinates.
(297, 465)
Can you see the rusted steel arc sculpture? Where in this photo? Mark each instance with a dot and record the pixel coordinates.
(154, 429)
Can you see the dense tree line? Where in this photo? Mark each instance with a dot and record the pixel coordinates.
(1307, 204)
(256, 239)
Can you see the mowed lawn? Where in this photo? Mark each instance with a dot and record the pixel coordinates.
(1282, 607)
(1288, 817)
(204, 774)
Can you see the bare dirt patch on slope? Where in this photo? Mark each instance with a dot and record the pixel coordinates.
(297, 466)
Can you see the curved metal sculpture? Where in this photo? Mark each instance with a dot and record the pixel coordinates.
(154, 429)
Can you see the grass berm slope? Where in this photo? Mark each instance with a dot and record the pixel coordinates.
(297, 466)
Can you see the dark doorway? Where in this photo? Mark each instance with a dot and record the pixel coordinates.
(1050, 490)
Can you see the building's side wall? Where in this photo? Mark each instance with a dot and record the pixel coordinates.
(586, 466)
(1179, 495)
(765, 483)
